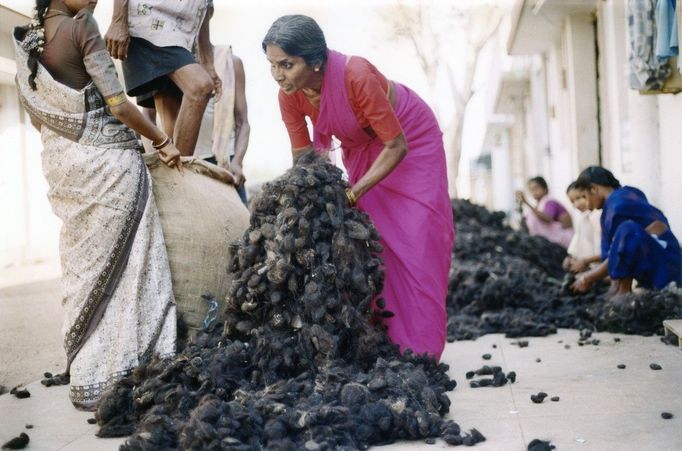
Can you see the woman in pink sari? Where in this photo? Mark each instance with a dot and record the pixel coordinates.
(393, 152)
(548, 219)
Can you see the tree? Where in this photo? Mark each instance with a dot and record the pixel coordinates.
(439, 32)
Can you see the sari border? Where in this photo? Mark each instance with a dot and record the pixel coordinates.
(149, 352)
(68, 126)
(92, 393)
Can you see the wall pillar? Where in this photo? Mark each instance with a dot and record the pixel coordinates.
(580, 78)
(646, 143)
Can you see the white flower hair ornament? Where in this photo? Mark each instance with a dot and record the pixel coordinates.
(35, 36)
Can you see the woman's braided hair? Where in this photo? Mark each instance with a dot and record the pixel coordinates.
(34, 39)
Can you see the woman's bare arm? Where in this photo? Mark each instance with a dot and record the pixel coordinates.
(392, 154)
(565, 220)
(131, 116)
(657, 228)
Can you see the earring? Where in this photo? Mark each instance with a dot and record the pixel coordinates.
(317, 69)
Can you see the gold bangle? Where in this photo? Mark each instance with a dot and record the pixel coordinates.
(116, 100)
(163, 143)
(352, 198)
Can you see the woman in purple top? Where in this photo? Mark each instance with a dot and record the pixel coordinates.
(548, 219)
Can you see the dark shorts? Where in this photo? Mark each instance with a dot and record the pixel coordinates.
(147, 66)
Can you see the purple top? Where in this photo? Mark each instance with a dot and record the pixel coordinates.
(554, 209)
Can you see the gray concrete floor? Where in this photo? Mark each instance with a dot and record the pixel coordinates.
(601, 407)
(30, 332)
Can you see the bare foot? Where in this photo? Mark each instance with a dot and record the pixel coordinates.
(619, 286)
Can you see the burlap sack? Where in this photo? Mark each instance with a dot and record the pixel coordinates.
(201, 214)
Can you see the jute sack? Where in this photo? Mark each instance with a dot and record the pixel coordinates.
(201, 214)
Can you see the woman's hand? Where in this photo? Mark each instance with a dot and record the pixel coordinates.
(566, 264)
(170, 155)
(351, 197)
(583, 282)
(578, 265)
(237, 173)
(392, 154)
(520, 197)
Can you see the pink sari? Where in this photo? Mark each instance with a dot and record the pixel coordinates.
(410, 208)
(552, 231)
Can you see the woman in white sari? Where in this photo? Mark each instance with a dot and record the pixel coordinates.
(116, 281)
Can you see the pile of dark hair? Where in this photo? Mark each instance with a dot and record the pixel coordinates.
(505, 281)
(298, 359)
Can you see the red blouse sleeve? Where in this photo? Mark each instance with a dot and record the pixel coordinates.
(369, 95)
(294, 120)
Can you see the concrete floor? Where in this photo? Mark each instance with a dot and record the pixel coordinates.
(30, 332)
(601, 407)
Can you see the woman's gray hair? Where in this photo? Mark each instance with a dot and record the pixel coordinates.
(298, 35)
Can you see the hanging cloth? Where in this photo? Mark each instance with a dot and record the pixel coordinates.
(646, 72)
(678, 24)
(666, 30)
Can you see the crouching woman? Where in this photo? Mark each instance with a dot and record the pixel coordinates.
(636, 244)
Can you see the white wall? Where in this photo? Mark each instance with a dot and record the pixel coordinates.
(538, 116)
(503, 193)
(669, 195)
(581, 81)
(641, 134)
(615, 131)
(561, 151)
(28, 229)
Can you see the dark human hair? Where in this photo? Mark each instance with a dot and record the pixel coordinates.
(571, 186)
(35, 51)
(298, 35)
(540, 181)
(597, 175)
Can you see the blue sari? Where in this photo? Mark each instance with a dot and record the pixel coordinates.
(631, 251)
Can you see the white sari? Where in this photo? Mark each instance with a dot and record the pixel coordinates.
(116, 282)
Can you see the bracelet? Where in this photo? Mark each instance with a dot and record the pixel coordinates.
(163, 143)
(352, 198)
(116, 100)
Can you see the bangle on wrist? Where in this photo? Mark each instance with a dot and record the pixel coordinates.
(162, 144)
(116, 100)
(352, 198)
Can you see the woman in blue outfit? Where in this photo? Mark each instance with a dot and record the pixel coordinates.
(636, 242)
